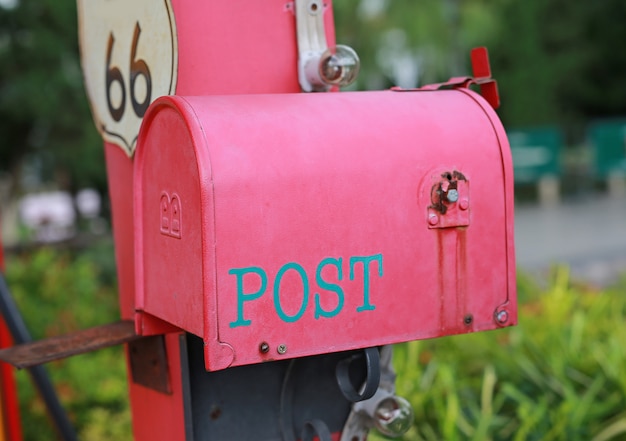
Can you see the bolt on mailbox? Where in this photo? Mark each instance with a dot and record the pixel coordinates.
(290, 225)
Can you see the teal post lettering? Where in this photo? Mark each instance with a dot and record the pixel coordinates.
(323, 284)
(305, 292)
(243, 297)
(366, 260)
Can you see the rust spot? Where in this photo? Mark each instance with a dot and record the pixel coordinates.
(148, 363)
(437, 200)
(458, 176)
(77, 342)
(461, 287)
(216, 412)
(439, 191)
(440, 279)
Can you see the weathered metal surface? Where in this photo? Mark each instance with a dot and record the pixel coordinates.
(267, 401)
(79, 342)
(148, 363)
(312, 232)
(450, 199)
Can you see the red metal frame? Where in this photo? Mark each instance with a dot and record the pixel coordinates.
(8, 389)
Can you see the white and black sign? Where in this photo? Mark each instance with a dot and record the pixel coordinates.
(129, 54)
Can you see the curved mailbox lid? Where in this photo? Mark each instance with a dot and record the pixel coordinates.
(307, 223)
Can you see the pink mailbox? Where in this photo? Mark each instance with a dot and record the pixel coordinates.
(288, 225)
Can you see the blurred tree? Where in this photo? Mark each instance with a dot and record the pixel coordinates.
(540, 56)
(409, 42)
(602, 84)
(45, 120)
(556, 61)
(561, 62)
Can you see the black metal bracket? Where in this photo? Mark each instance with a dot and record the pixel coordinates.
(372, 381)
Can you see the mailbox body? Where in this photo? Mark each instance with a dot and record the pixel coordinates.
(278, 226)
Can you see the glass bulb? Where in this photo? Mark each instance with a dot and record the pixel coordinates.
(339, 65)
(393, 416)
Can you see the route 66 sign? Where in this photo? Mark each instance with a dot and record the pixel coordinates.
(129, 54)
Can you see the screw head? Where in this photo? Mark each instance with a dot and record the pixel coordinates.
(264, 348)
(502, 317)
(452, 195)
(433, 219)
(468, 319)
(464, 204)
(282, 349)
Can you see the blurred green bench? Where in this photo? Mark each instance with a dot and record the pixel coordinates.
(537, 160)
(608, 142)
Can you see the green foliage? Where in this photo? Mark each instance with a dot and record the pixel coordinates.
(44, 115)
(59, 293)
(558, 375)
(556, 62)
(435, 35)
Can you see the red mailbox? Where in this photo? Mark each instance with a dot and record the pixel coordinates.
(280, 226)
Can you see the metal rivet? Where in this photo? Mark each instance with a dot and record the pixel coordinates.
(282, 349)
(502, 317)
(314, 8)
(264, 348)
(433, 219)
(468, 319)
(452, 195)
(464, 204)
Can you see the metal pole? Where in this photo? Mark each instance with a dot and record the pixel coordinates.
(17, 327)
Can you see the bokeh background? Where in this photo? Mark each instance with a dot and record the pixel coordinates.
(561, 70)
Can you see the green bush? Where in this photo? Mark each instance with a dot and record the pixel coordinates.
(57, 293)
(559, 375)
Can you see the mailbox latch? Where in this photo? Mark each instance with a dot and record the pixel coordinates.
(450, 202)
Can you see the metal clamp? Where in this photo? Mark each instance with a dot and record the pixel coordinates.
(390, 414)
(372, 381)
(312, 429)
